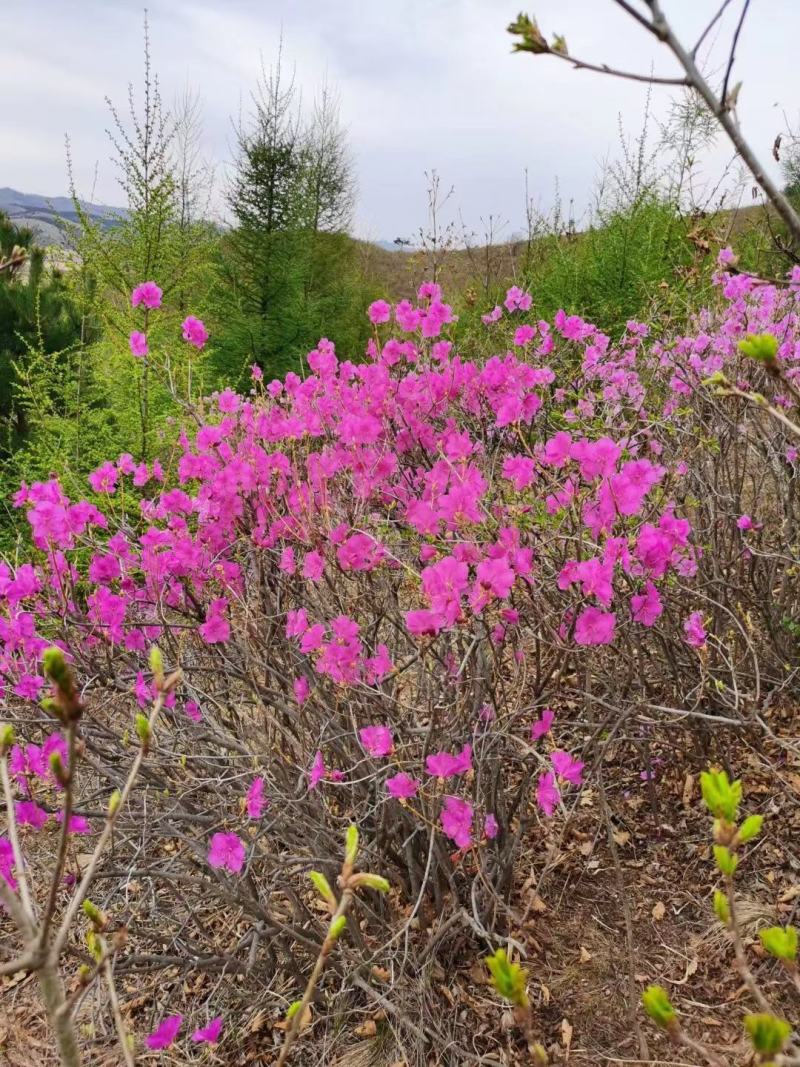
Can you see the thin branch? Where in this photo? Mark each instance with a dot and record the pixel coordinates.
(732, 56)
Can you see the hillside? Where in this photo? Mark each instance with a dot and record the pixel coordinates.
(47, 216)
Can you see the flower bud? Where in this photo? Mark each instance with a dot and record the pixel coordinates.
(113, 803)
(65, 691)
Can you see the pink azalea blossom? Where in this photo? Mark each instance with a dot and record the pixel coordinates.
(165, 1033)
(744, 522)
(542, 725)
(456, 819)
(566, 767)
(194, 331)
(7, 863)
(226, 852)
(317, 772)
(595, 627)
(256, 801)
(547, 794)
(147, 293)
(138, 343)
(377, 741)
(29, 813)
(209, 1033)
(379, 311)
(192, 709)
(402, 786)
(490, 827)
(695, 631)
(446, 765)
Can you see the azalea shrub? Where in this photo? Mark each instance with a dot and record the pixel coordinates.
(415, 593)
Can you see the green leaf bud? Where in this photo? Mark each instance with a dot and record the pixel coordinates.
(767, 1033)
(780, 941)
(323, 887)
(508, 978)
(656, 1002)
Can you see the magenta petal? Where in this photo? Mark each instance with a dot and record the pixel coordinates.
(209, 1033)
(166, 1032)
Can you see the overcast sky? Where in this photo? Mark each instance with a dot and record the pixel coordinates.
(424, 84)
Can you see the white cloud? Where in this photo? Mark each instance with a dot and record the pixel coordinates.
(423, 85)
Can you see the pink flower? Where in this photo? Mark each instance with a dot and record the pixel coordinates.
(192, 709)
(542, 725)
(209, 1033)
(317, 772)
(595, 627)
(77, 823)
(379, 311)
(7, 862)
(313, 566)
(216, 629)
(646, 607)
(744, 522)
(104, 479)
(138, 343)
(228, 402)
(256, 801)
(301, 689)
(524, 334)
(377, 741)
(456, 819)
(402, 786)
(547, 794)
(194, 331)
(146, 293)
(29, 813)
(490, 827)
(226, 851)
(446, 765)
(166, 1032)
(567, 768)
(695, 630)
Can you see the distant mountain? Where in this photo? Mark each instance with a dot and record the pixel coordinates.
(46, 215)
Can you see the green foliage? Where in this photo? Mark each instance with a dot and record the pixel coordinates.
(760, 346)
(767, 1033)
(656, 1002)
(722, 797)
(323, 887)
(727, 861)
(780, 941)
(508, 978)
(722, 908)
(750, 829)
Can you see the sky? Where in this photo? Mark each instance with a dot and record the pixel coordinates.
(424, 85)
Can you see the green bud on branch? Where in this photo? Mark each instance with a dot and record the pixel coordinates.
(760, 346)
(157, 667)
(94, 915)
(722, 797)
(767, 1033)
(508, 978)
(113, 803)
(780, 941)
(370, 881)
(750, 828)
(323, 887)
(727, 862)
(337, 927)
(656, 1002)
(722, 908)
(532, 40)
(6, 737)
(143, 731)
(351, 845)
